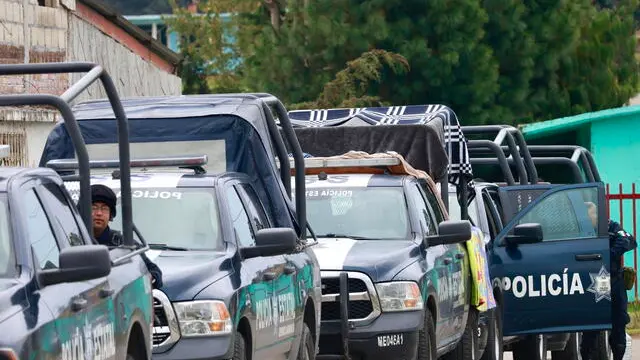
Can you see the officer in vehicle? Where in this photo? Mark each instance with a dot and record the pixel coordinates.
(620, 242)
(103, 210)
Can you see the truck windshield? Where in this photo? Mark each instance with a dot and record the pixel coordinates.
(7, 254)
(365, 213)
(178, 218)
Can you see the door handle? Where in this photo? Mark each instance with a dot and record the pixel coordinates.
(289, 269)
(447, 261)
(268, 276)
(589, 257)
(460, 256)
(78, 304)
(105, 292)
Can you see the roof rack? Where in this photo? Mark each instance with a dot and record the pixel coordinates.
(527, 173)
(61, 103)
(4, 151)
(187, 162)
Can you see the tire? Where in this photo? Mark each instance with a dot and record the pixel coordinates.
(427, 339)
(571, 350)
(307, 347)
(239, 347)
(534, 347)
(494, 349)
(467, 347)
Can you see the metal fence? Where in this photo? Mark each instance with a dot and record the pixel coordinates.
(623, 204)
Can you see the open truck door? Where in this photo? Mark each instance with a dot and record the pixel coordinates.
(553, 264)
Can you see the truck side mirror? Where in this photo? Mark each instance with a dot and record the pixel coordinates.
(530, 233)
(273, 241)
(79, 263)
(451, 232)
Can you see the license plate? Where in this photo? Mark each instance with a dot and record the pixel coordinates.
(390, 340)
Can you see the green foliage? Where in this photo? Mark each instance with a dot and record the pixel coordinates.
(350, 86)
(491, 61)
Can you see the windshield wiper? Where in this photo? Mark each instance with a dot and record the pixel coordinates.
(333, 236)
(167, 247)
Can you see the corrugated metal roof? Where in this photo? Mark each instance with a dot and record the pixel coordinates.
(569, 123)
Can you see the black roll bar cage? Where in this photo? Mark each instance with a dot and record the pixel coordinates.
(517, 148)
(539, 161)
(61, 103)
(577, 155)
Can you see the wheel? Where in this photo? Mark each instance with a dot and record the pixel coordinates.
(532, 348)
(239, 348)
(307, 347)
(467, 347)
(427, 339)
(494, 350)
(571, 350)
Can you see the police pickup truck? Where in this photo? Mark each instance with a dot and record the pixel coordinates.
(62, 296)
(544, 254)
(238, 281)
(406, 265)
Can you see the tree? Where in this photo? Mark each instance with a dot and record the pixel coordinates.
(604, 73)
(513, 45)
(491, 61)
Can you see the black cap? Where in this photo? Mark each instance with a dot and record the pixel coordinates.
(104, 194)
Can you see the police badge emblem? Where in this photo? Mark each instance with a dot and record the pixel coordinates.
(600, 285)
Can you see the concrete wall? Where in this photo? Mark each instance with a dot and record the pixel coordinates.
(65, 31)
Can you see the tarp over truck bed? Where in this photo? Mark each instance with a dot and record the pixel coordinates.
(438, 122)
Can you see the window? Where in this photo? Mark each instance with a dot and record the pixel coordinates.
(433, 201)
(240, 219)
(374, 213)
(260, 220)
(7, 253)
(61, 213)
(181, 217)
(40, 236)
(423, 210)
(564, 215)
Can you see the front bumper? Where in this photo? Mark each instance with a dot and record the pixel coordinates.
(390, 336)
(199, 348)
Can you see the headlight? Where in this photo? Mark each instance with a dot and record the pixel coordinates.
(202, 318)
(399, 296)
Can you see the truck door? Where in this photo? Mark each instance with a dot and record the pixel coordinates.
(258, 273)
(549, 286)
(289, 314)
(88, 320)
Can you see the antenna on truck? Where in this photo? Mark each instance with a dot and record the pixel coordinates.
(62, 104)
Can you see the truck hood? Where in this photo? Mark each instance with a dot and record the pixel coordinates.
(380, 259)
(186, 273)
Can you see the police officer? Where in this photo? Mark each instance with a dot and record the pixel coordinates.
(103, 210)
(620, 242)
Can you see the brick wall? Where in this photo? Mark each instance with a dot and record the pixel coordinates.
(31, 33)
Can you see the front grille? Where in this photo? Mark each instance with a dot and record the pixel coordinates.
(332, 286)
(161, 329)
(362, 297)
(358, 309)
